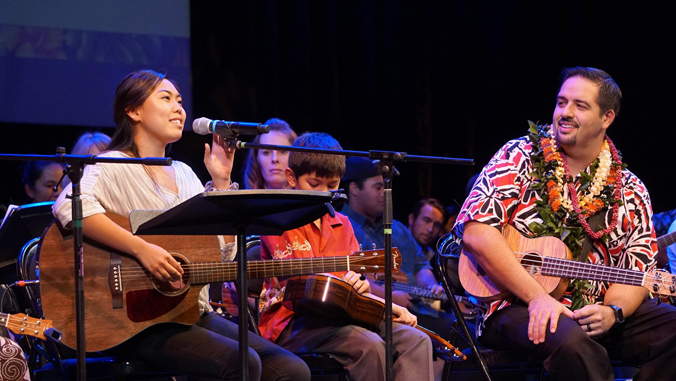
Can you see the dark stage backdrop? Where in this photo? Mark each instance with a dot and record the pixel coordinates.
(445, 78)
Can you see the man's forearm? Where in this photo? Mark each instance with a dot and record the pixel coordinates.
(629, 298)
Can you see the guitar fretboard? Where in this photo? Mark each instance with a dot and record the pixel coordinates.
(219, 272)
(415, 291)
(579, 270)
(666, 240)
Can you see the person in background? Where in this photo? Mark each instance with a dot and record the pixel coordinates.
(265, 168)
(90, 143)
(365, 186)
(40, 178)
(425, 222)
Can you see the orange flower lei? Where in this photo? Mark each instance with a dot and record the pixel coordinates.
(607, 183)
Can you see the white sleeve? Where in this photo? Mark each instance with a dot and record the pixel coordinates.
(89, 187)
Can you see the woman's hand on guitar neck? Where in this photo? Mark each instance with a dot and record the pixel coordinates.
(544, 309)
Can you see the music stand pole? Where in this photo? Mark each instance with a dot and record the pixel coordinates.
(387, 169)
(75, 172)
(243, 302)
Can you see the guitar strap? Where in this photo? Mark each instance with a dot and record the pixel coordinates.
(596, 223)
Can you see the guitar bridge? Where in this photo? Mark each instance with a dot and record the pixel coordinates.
(115, 280)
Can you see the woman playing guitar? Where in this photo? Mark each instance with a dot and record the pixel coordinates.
(149, 115)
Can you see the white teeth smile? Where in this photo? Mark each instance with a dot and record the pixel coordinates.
(176, 122)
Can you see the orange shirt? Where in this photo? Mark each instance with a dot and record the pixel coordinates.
(336, 238)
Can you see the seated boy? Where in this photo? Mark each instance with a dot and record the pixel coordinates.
(360, 351)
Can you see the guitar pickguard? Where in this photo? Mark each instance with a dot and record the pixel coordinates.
(145, 305)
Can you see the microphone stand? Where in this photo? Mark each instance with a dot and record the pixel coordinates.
(75, 168)
(387, 160)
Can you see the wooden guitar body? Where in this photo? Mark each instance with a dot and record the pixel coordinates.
(531, 253)
(332, 297)
(112, 317)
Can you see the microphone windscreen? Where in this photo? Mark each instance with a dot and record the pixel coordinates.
(201, 126)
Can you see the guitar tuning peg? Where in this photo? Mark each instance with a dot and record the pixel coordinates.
(361, 247)
(373, 246)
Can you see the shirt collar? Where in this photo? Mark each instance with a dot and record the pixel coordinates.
(352, 215)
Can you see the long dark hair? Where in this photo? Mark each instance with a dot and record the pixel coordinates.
(134, 89)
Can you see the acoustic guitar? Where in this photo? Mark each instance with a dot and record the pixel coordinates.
(334, 298)
(549, 261)
(122, 298)
(25, 325)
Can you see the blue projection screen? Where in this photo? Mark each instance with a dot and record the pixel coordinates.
(60, 61)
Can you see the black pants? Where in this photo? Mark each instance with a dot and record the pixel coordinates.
(647, 338)
(210, 350)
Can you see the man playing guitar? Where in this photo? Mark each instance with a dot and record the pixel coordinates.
(550, 185)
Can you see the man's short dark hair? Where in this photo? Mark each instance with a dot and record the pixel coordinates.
(433, 202)
(322, 165)
(610, 96)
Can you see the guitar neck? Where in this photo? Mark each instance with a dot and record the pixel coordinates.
(203, 273)
(419, 291)
(578, 270)
(415, 291)
(4, 319)
(666, 240)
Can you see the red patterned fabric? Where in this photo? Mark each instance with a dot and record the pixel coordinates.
(501, 196)
(13, 365)
(336, 238)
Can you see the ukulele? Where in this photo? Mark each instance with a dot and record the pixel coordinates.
(334, 298)
(122, 298)
(25, 325)
(549, 261)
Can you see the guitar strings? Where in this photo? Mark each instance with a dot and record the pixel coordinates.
(223, 269)
(610, 273)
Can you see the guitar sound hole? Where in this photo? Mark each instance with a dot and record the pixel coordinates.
(532, 263)
(177, 287)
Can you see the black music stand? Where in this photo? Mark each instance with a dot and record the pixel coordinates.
(240, 213)
(23, 224)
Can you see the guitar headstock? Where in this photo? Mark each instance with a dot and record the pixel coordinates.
(661, 283)
(373, 261)
(25, 325)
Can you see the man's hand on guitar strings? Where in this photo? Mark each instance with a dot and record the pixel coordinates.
(437, 289)
(595, 319)
(354, 279)
(544, 309)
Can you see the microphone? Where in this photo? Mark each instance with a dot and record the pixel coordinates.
(228, 130)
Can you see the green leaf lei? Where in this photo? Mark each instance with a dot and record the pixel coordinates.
(561, 224)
